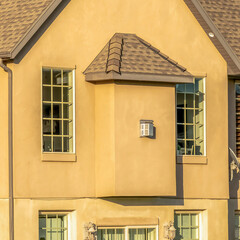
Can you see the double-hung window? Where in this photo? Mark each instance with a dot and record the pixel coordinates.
(58, 110)
(127, 233)
(190, 118)
(53, 227)
(187, 226)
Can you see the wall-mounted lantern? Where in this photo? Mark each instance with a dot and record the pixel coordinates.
(169, 231)
(90, 231)
(146, 128)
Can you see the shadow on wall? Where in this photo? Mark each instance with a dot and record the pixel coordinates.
(155, 201)
(41, 31)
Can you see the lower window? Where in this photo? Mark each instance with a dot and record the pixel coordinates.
(187, 225)
(237, 226)
(53, 227)
(127, 233)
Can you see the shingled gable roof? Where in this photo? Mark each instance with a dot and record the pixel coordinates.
(128, 57)
(19, 20)
(222, 18)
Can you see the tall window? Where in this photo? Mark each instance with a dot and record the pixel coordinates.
(187, 226)
(57, 110)
(53, 227)
(190, 118)
(238, 119)
(127, 233)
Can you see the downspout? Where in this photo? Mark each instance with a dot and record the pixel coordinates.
(10, 150)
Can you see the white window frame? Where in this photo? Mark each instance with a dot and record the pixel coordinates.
(74, 109)
(204, 120)
(200, 218)
(126, 228)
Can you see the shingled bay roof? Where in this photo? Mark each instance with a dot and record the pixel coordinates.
(129, 54)
(18, 18)
(222, 18)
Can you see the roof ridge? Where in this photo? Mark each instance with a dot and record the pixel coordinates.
(157, 51)
(114, 58)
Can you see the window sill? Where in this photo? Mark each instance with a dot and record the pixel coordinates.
(59, 157)
(200, 160)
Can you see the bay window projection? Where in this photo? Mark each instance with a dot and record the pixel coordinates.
(190, 118)
(127, 233)
(57, 110)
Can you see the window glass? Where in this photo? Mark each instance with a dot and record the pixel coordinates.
(190, 118)
(132, 233)
(237, 226)
(187, 226)
(57, 110)
(53, 227)
(237, 119)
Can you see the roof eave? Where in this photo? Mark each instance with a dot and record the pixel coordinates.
(215, 31)
(34, 28)
(142, 77)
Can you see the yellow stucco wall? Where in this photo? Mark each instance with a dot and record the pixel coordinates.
(75, 38)
(125, 211)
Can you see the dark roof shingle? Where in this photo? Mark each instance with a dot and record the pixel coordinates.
(127, 53)
(225, 14)
(16, 17)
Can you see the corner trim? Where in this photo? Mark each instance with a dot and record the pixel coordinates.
(96, 77)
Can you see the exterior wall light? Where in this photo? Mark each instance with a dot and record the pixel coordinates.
(169, 231)
(90, 231)
(146, 128)
(211, 34)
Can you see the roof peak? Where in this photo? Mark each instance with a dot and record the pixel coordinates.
(128, 53)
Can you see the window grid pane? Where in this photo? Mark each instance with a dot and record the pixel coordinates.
(57, 116)
(190, 104)
(53, 227)
(187, 226)
(237, 87)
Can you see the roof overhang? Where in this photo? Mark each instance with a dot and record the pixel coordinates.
(31, 31)
(97, 77)
(218, 40)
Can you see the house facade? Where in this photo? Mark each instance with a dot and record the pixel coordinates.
(117, 118)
